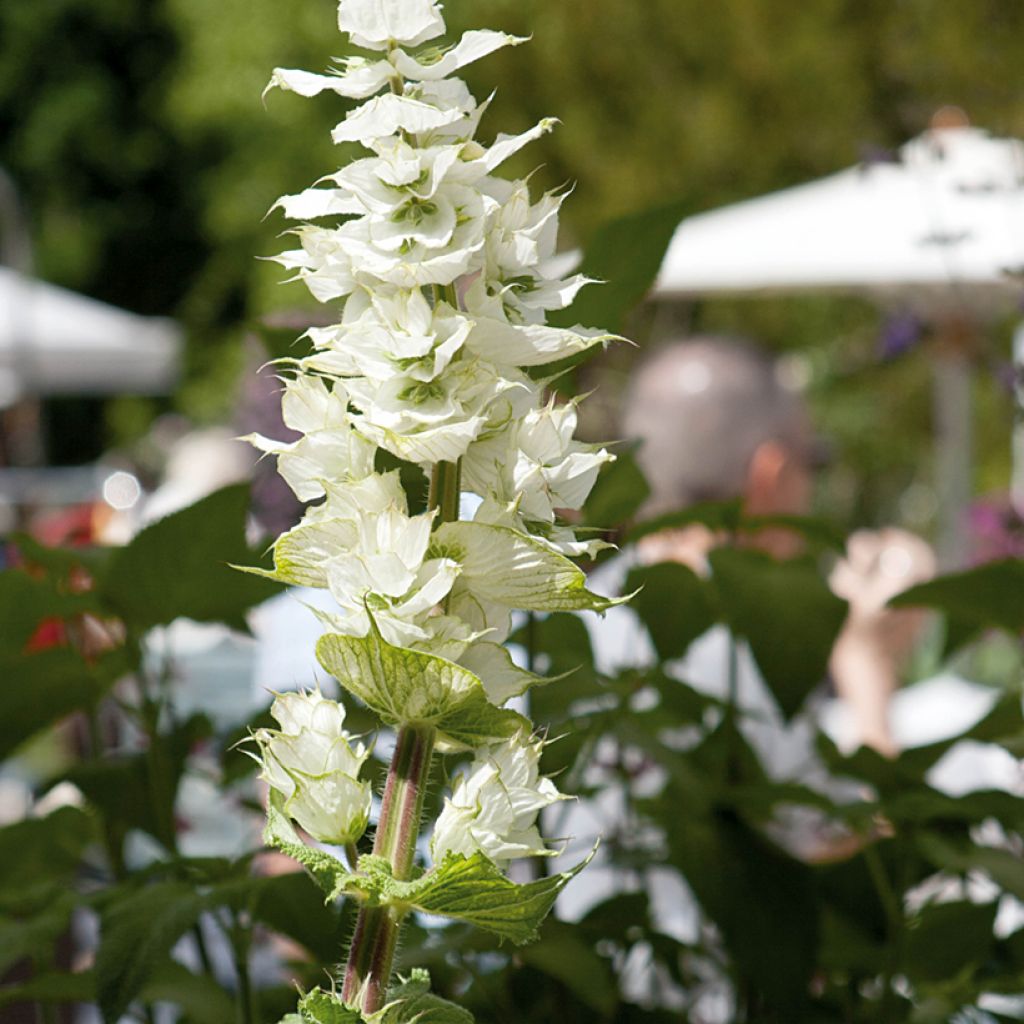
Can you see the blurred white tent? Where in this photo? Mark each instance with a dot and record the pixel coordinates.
(54, 341)
(940, 230)
(944, 223)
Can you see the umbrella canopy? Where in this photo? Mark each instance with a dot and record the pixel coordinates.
(941, 227)
(53, 341)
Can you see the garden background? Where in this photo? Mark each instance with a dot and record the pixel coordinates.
(145, 160)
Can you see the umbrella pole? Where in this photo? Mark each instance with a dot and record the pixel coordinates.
(1017, 483)
(954, 444)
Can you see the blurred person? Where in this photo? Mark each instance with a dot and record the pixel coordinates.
(716, 421)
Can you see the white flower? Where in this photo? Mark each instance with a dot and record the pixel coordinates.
(312, 762)
(494, 804)
(434, 421)
(330, 449)
(373, 559)
(380, 24)
(357, 79)
(423, 108)
(557, 536)
(389, 333)
(432, 66)
(535, 464)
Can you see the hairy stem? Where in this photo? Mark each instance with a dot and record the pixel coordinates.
(376, 936)
(375, 940)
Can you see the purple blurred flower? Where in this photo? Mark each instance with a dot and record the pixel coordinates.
(997, 530)
(899, 334)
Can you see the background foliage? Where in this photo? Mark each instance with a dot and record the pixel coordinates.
(135, 133)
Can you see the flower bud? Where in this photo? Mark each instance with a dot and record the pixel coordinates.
(312, 762)
(494, 804)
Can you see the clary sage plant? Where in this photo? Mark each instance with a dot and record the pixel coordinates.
(443, 273)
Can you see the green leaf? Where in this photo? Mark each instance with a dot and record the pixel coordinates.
(947, 937)
(626, 253)
(40, 854)
(328, 872)
(762, 900)
(180, 567)
(38, 690)
(472, 889)
(509, 568)
(405, 686)
(786, 613)
(35, 936)
(991, 595)
(320, 1007)
(675, 604)
(562, 954)
(25, 602)
(292, 905)
(138, 929)
(620, 490)
(139, 790)
(198, 996)
(411, 1002)
(55, 987)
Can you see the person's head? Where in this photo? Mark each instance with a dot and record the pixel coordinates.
(715, 422)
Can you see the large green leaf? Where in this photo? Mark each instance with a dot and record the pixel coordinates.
(41, 854)
(35, 936)
(991, 595)
(26, 601)
(620, 490)
(472, 889)
(405, 686)
(198, 996)
(761, 899)
(181, 567)
(563, 953)
(675, 604)
(626, 253)
(945, 938)
(292, 905)
(138, 929)
(786, 613)
(51, 987)
(38, 690)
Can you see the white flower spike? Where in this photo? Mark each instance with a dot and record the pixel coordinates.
(439, 274)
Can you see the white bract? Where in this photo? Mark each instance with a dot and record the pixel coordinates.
(312, 762)
(494, 804)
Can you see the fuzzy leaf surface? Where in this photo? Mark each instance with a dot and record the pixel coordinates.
(405, 686)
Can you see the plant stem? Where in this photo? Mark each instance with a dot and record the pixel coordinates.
(240, 947)
(376, 935)
(372, 953)
(445, 481)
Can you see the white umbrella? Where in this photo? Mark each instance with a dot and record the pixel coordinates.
(940, 229)
(945, 222)
(53, 341)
